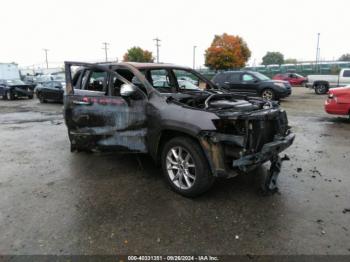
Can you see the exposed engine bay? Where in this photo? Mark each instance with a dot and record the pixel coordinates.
(216, 102)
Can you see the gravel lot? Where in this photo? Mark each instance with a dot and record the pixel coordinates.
(57, 202)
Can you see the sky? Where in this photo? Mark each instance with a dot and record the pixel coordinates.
(75, 29)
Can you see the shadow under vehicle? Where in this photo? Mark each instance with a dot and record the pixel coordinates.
(196, 135)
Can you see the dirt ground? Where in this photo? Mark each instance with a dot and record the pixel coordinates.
(57, 202)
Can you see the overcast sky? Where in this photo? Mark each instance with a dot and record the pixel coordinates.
(75, 29)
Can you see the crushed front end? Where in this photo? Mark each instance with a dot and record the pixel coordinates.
(248, 135)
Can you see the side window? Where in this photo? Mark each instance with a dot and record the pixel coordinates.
(129, 75)
(233, 77)
(220, 78)
(346, 73)
(95, 81)
(247, 78)
(188, 81)
(160, 80)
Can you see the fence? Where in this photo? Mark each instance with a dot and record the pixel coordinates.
(305, 68)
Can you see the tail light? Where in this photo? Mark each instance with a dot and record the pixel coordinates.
(331, 95)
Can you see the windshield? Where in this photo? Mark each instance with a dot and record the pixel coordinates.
(14, 82)
(59, 78)
(261, 76)
(184, 84)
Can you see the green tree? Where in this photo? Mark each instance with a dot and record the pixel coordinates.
(273, 58)
(290, 61)
(345, 57)
(227, 51)
(137, 54)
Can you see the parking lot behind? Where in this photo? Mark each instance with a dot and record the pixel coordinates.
(57, 202)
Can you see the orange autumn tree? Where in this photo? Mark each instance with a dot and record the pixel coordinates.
(227, 51)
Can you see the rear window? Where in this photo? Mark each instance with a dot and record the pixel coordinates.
(346, 73)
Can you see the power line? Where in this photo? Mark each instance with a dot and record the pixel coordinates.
(47, 62)
(194, 57)
(157, 45)
(105, 48)
(318, 50)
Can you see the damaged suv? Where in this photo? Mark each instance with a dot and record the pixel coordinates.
(196, 131)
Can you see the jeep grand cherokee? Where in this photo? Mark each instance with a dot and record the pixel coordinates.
(196, 131)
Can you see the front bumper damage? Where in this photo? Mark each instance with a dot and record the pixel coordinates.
(264, 139)
(213, 145)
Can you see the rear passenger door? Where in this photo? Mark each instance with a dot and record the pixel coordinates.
(233, 82)
(97, 116)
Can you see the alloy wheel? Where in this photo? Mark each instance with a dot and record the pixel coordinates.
(180, 167)
(267, 94)
(321, 89)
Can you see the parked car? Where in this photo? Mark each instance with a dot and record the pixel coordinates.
(50, 91)
(252, 84)
(293, 78)
(338, 101)
(196, 135)
(14, 88)
(322, 83)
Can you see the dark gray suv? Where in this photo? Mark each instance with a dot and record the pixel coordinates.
(194, 130)
(252, 84)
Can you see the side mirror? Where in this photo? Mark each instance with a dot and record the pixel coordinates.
(127, 90)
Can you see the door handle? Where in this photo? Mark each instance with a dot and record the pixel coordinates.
(81, 103)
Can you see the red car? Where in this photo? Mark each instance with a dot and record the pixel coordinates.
(338, 101)
(293, 78)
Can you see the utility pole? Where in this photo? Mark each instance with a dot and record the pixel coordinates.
(47, 62)
(105, 48)
(157, 45)
(317, 50)
(194, 57)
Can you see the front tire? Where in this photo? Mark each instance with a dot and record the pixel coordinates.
(268, 94)
(185, 167)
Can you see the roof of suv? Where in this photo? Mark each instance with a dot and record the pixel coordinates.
(237, 71)
(139, 65)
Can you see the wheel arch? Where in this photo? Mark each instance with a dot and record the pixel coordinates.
(321, 82)
(167, 134)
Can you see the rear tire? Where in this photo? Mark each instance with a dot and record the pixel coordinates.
(268, 94)
(185, 167)
(321, 89)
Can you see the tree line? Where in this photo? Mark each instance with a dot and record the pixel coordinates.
(225, 52)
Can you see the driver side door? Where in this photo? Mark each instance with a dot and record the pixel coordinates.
(96, 114)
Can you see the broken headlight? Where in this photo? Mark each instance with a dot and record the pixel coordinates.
(228, 126)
